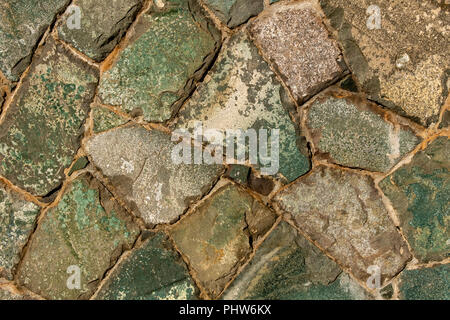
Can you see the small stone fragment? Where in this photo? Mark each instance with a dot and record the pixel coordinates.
(105, 119)
(40, 133)
(261, 185)
(152, 272)
(80, 164)
(17, 219)
(294, 38)
(387, 292)
(139, 164)
(351, 132)
(217, 238)
(342, 212)
(420, 193)
(425, 284)
(445, 120)
(86, 231)
(103, 23)
(235, 12)
(239, 173)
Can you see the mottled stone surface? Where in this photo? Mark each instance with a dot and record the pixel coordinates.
(40, 132)
(240, 93)
(168, 53)
(86, 229)
(344, 215)
(140, 166)
(287, 266)
(235, 12)
(9, 293)
(217, 238)
(239, 173)
(151, 272)
(105, 119)
(17, 218)
(350, 131)
(294, 38)
(22, 24)
(425, 284)
(420, 193)
(403, 64)
(103, 23)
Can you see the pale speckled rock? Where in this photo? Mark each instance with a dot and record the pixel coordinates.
(287, 266)
(217, 238)
(342, 212)
(425, 284)
(103, 23)
(88, 229)
(152, 272)
(138, 163)
(169, 52)
(105, 119)
(235, 12)
(420, 193)
(294, 38)
(17, 218)
(40, 132)
(22, 24)
(241, 92)
(405, 64)
(350, 131)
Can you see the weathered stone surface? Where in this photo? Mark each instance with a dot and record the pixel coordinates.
(445, 120)
(17, 218)
(40, 132)
(342, 212)
(420, 193)
(139, 164)
(287, 266)
(8, 292)
(294, 38)
(105, 119)
(102, 25)
(151, 272)
(22, 24)
(217, 238)
(242, 93)
(170, 51)
(86, 229)
(239, 173)
(425, 284)
(235, 12)
(81, 163)
(351, 132)
(403, 64)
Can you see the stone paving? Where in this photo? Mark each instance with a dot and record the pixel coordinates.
(118, 179)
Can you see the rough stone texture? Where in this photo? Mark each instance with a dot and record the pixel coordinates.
(414, 86)
(105, 119)
(39, 134)
(10, 293)
(239, 173)
(350, 131)
(235, 12)
(420, 193)
(17, 218)
(342, 212)
(22, 24)
(426, 284)
(296, 41)
(217, 238)
(151, 272)
(103, 24)
(287, 266)
(86, 229)
(445, 120)
(138, 163)
(169, 52)
(241, 92)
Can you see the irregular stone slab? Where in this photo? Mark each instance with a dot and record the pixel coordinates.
(235, 12)
(294, 38)
(425, 284)
(240, 93)
(138, 163)
(17, 218)
(22, 24)
(403, 64)
(40, 132)
(217, 238)
(152, 272)
(170, 51)
(287, 266)
(445, 120)
(344, 215)
(239, 173)
(9, 293)
(86, 230)
(102, 25)
(81, 163)
(350, 131)
(419, 191)
(105, 119)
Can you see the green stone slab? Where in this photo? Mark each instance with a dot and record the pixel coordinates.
(425, 284)
(235, 12)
